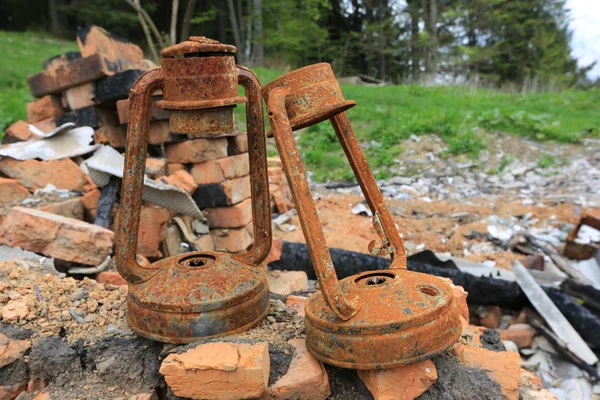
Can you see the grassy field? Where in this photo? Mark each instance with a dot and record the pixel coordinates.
(383, 117)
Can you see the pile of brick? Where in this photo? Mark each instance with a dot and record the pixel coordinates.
(91, 88)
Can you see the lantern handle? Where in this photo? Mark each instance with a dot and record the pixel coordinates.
(259, 180)
(140, 100)
(341, 304)
(384, 225)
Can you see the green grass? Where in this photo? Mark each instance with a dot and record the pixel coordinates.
(23, 55)
(383, 117)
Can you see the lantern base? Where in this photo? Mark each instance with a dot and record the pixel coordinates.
(405, 317)
(198, 295)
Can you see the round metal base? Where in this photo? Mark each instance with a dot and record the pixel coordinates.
(198, 295)
(405, 317)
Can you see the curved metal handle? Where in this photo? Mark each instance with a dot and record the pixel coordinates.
(259, 179)
(140, 99)
(382, 219)
(344, 307)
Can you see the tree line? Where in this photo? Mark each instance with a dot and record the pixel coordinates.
(495, 43)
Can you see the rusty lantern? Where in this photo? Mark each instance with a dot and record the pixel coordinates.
(375, 319)
(199, 294)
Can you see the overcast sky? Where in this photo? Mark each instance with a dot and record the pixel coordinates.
(585, 24)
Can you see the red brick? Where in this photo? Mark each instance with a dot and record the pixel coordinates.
(232, 240)
(306, 378)
(74, 73)
(159, 132)
(174, 167)
(156, 167)
(297, 303)
(492, 318)
(402, 383)
(152, 230)
(204, 243)
(274, 252)
(70, 208)
(196, 151)
(33, 174)
(227, 371)
(44, 108)
(116, 51)
(156, 113)
(521, 334)
(216, 171)
(56, 236)
(111, 278)
(20, 131)
(182, 179)
(286, 282)
(11, 350)
(47, 125)
(11, 392)
(90, 202)
(80, 96)
(235, 216)
(222, 194)
(12, 191)
(237, 144)
(111, 135)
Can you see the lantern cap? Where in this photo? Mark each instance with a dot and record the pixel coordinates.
(195, 46)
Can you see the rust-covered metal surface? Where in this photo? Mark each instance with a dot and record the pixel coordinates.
(379, 319)
(200, 294)
(581, 251)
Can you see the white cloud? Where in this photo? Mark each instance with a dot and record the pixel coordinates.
(585, 24)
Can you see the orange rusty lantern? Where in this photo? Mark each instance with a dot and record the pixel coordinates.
(375, 319)
(200, 294)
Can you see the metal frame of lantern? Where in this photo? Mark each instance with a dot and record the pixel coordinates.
(201, 294)
(375, 319)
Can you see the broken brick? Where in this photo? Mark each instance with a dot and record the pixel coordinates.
(274, 252)
(46, 125)
(502, 366)
(286, 282)
(70, 208)
(54, 62)
(216, 171)
(12, 191)
(521, 334)
(156, 113)
(204, 243)
(174, 167)
(155, 167)
(93, 116)
(14, 310)
(112, 135)
(12, 392)
(492, 317)
(181, 179)
(90, 202)
(73, 73)
(152, 230)
(44, 108)
(222, 194)
(306, 378)
(219, 371)
(80, 96)
(237, 144)
(20, 131)
(232, 240)
(196, 151)
(94, 40)
(56, 236)
(11, 350)
(33, 174)
(402, 383)
(297, 303)
(111, 278)
(235, 216)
